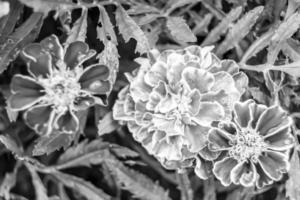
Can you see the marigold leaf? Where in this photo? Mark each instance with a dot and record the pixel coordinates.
(40, 190)
(26, 33)
(222, 27)
(8, 182)
(129, 29)
(11, 144)
(7, 23)
(293, 183)
(180, 30)
(4, 8)
(105, 32)
(45, 6)
(291, 48)
(138, 184)
(53, 142)
(78, 31)
(107, 124)
(239, 30)
(83, 187)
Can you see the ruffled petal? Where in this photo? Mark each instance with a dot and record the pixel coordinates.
(242, 113)
(219, 140)
(271, 119)
(281, 139)
(273, 164)
(67, 122)
(26, 92)
(76, 53)
(241, 81)
(228, 66)
(197, 137)
(199, 79)
(203, 168)
(53, 46)
(39, 118)
(244, 173)
(139, 89)
(222, 170)
(209, 112)
(170, 150)
(175, 67)
(194, 105)
(256, 111)
(263, 179)
(83, 103)
(224, 81)
(207, 154)
(159, 92)
(39, 60)
(94, 79)
(157, 73)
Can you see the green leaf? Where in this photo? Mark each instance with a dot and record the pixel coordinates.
(12, 44)
(4, 8)
(291, 48)
(83, 187)
(129, 29)
(180, 30)
(11, 144)
(292, 185)
(239, 30)
(45, 6)
(93, 153)
(221, 28)
(106, 29)
(8, 23)
(107, 124)
(78, 31)
(53, 142)
(40, 190)
(8, 182)
(138, 184)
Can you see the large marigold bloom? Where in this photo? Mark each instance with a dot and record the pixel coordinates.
(173, 98)
(255, 145)
(58, 86)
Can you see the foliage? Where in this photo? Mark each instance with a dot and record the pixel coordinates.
(123, 138)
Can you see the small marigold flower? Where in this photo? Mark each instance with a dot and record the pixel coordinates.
(255, 145)
(58, 86)
(173, 98)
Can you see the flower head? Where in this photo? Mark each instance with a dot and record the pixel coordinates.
(58, 86)
(172, 100)
(255, 145)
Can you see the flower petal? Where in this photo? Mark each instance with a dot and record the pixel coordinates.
(67, 122)
(281, 139)
(203, 168)
(242, 113)
(199, 79)
(209, 112)
(263, 179)
(207, 154)
(256, 111)
(244, 173)
(76, 53)
(39, 118)
(222, 170)
(219, 140)
(94, 79)
(197, 137)
(272, 118)
(157, 73)
(26, 92)
(175, 67)
(228, 66)
(194, 105)
(273, 164)
(53, 46)
(39, 60)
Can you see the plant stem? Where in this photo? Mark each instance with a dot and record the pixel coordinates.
(184, 185)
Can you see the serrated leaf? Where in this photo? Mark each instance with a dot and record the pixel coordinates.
(284, 31)
(12, 44)
(221, 28)
(106, 29)
(107, 124)
(138, 184)
(83, 187)
(53, 142)
(7, 23)
(291, 48)
(12, 145)
(292, 185)
(40, 190)
(78, 31)
(239, 30)
(129, 29)
(45, 6)
(180, 30)
(174, 4)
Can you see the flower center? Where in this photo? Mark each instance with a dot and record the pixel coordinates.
(248, 145)
(62, 88)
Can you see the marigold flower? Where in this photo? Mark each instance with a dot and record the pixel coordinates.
(173, 98)
(58, 86)
(255, 145)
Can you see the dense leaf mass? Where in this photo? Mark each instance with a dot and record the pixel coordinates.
(149, 99)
